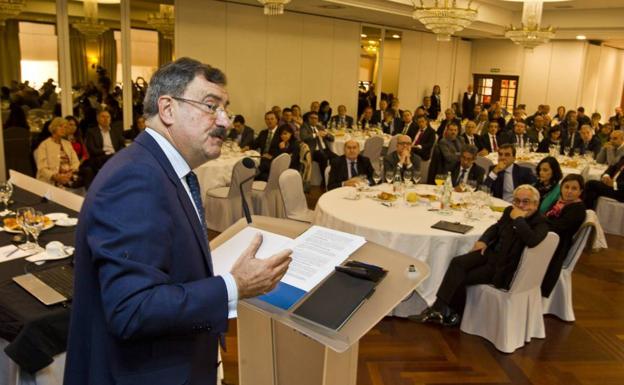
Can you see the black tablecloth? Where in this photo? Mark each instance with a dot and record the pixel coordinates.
(36, 332)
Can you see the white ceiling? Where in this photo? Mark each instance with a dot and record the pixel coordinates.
(601, 20)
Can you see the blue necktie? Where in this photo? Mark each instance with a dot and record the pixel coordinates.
(193, 184)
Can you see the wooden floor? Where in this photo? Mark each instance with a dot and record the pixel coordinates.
(588, 351)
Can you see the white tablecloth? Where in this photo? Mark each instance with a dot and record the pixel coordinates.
(341, 139)
(218, 172)
(589, 170)
(405, 229)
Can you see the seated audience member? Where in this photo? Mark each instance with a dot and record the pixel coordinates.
(424, 139)
(552, 139)
(450, 117)
(407, 126)
(75, 137)
(324, 113)
(457, 110)
(595, 122)
(482, 122)
(581, 118)
(288, 117)
(319, 140)
(548, 176)
(395, 105)
(611, 185)
(431, 114)
(137, 128)
(380, 114)
(57, 162)
(342, 119)
(605, 133)
(268, 137)
(242, 134)
(537, 132)
(492, 139)
(471, 137)
(559, 116)
(403, 158)
(450, 146)
(314, 107)
(476, 111)
(296, 115)
(505, 176)
(346, 169)
(466, 170)
(494, 257)
(287, 144)
(531, 119)
(497, 116)
(589, 143)
(565, 217)
(103, 141)
(278, 112)
(570, 138)
(617, 118)
(366, 119)
(613, 150)
(517, 136)
(517, 118)
(389, 124)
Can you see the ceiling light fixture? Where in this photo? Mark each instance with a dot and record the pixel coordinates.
(363, 35)
(396, 36)
(581, 37)
(444, 20)
(90, 27)
(529, 34)
(163, 21)
(9, 9)
(273, 7)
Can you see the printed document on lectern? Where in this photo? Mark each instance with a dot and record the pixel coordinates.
(315, 254)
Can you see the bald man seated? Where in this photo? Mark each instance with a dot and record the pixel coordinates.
(346, 169)
(403, 158)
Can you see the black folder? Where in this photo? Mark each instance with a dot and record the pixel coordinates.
(454, 227)
(332, 303)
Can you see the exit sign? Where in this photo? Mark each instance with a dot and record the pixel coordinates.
(494, 70)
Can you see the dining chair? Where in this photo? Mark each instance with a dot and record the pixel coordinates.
(266, 197)
(610, 213)
(372, 149)
(295, 204)
(55, 194)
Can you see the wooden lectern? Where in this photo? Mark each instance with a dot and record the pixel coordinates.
(277, 348)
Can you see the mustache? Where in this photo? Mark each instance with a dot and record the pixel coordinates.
(219, 132)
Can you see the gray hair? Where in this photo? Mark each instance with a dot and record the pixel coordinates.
(531, 189)
(55, 124)
(173, 78)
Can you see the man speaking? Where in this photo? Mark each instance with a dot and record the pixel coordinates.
(147, 307)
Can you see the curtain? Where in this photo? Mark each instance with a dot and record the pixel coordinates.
(165, 50)
(78, 54)
(108, 55)
(10, 68)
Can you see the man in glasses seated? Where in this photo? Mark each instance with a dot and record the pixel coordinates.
(494, 257)
(351, 168)
(403, 158)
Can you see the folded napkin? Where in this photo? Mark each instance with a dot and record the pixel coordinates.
(11, 252)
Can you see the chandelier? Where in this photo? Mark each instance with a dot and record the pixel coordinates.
(9, 9)
(90, 27)
(529, 34)
(163, 21)
(444, 20)
(273, 7)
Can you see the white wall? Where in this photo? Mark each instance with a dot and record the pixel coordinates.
(426, 62)
(391, 62)
(283, 60)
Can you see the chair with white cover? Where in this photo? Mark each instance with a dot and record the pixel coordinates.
(508, 319)
(223, 205)
(327, 171)
(484, 162)
(560, 301)
(266, 196)
(372, 150)
(392, 145)
(63, 197)
(295, 203)
(610, 213)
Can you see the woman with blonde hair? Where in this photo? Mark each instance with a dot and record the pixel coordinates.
(57, 162)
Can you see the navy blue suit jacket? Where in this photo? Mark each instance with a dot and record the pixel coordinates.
(520, 175)
(146, 308)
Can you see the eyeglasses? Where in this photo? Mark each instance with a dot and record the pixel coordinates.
(212, 108)
(518, 202)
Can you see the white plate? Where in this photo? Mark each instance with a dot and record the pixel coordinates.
(56, 216)
(43, 256)
(13, 231)
(67, 222)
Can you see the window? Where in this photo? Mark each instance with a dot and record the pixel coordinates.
(38, 48)
(503, 89)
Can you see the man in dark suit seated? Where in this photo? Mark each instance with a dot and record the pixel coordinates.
(471, 137)
(505, 176)
(450, 146)
(407, 125)
(268, 137)
(103, 141)
(342, 119)
(346, 169)
(424, 139)
(403, 158)
(570, 137)
(518, 136)
(465, 168)
(589, 142)
(538, 130)
(492, 139)
(242, 134)
(366, 119)
(431, 114)
(611, 185)
(517, 117)
(613, 150)
(389, 123)
(494, 257)
(319, 140)
(450, 118)
(380, 114)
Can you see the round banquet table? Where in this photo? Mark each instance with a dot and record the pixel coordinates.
(590, 170)
(406, 228)
(218, 172)
(341, 137)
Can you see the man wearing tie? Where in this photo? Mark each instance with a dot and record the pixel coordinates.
(342, 119)
(407, 126)
(346, 169)
(148, 307)
(242, 134)
(403, 158)
(267, 138)
(611, 185)
(424, 139)
(505, 176)
(518, 137)
(319, 140)
(589, 142)
(491, 139)
(471, 137)
(465, 169)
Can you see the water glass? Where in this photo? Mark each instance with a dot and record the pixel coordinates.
(34, 223)
(6, 190)
(407, 177)
(20, 217)
(376, 176)
(389, 176)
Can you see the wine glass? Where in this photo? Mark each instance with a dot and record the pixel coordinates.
(20, 217)
(471, 185)
(6, 190)
(416, 177)
(376, 176)
(389, 176)
(34, 222)
(439, 179)
(407, 177)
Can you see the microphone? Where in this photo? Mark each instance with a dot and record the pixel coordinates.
(250, 164)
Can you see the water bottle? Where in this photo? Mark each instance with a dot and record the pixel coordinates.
(397, 181)
(446, 193)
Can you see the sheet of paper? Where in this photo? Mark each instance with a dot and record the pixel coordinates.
(315, 254)
(10, 252)
(224, 256)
